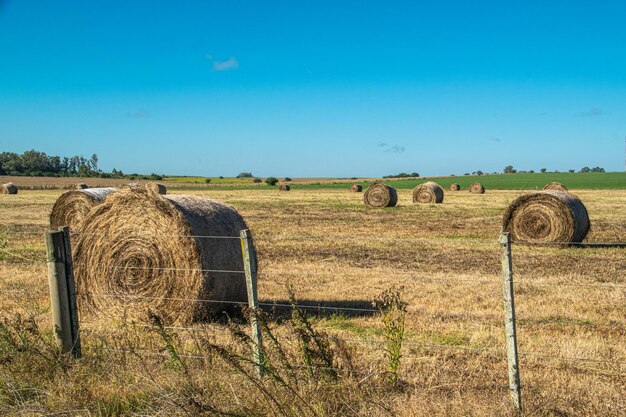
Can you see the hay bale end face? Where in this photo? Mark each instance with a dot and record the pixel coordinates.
(546, 217)
(157, 188)
(284, 187)
(140, 250)
(477, 188)
(73, 206)
(555, 186)
(356, 188)
(8, 188)
(429, 192)
(455, 187)
(380, 195)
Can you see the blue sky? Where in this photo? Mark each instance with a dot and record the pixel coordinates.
(316, 88)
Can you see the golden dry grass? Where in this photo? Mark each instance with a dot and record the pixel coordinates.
(336, 252)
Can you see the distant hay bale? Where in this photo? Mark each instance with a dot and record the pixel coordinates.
(81, 186)
(140, 250)
(555, 186)
(546, 217)
(284, 187)
(72, 207)
(455, 187)
(380, 195)
(429, 192)
(8, 188)
(477, 188)
(157, 188)
(356, 188)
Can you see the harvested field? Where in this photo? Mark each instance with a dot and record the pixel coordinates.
(337, 253)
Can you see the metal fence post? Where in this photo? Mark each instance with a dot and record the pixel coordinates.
(249, 264)
(509, 320)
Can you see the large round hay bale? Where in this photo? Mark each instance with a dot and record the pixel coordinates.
(429, 192)
(157, 188)
(8, 188)
(546, 217)
(380, 195)
(73, 206)
(555, 186)
(356, 188)
(455, 187)
(477, 188)
(178, 256)
(284, 187)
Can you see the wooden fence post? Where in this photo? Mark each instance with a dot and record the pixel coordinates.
(249, 264)
(63, 311)
(71, 291)
(509, 320)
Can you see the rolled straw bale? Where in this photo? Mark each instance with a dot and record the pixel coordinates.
(72, 207)
(455, 187)
(8, 188)
(174, 255)
(477, 188)
(380, 195)
(356, 188)
(81, 186)
(284, 187)
(157, 188)
(555, 186)
(549, 216)
(429, 192)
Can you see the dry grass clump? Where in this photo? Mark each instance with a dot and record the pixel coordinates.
(380, 195)
(140, 251)
(8, 188)
(157, 188)
(477, 188)
(429, 192)
(356, 188)
(73, 206)
(555, 186)
(455, 187)
(547, 217)
(284, 187)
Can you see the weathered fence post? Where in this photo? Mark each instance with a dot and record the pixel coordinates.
(509, 320)
(62, 293)
(249, 264)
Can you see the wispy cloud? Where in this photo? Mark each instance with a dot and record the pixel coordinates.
(592, 113)
(391, 148)
(138, 114)
(227, 65)
(495, 139)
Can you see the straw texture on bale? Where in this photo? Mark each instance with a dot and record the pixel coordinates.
(429, 192)
(157, 188)
(81, 186)
(139, 250)
(380, 195)
(455, 187)
(555, 186)
(284, 187)
(356, 188)
(8, 188)
(546, 217)
(477, 188)
(73, 206)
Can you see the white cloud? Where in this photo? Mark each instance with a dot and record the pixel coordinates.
(230, 64)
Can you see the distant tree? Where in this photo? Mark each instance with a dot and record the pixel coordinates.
(466, 174)
(479, 172)
(415, 174)
(543, 170)
(221, 177)
(287, 179)
(585, 169)
(94, 162)
(509, 169)
(245, 175)
(257, 180)
(597, 169)
(571, 170)
(207, 180)
(271, 181)
(532, 171)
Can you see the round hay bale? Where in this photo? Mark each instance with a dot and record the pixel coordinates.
(429, 192)
(455, 187)
(73, 206)
(546, 217)
(139, 250)
(380, 195)
(477, 188)
(8, 188)
(157, 188)
(81, 186)
(356, 188)
(555, 186)
(284, 187)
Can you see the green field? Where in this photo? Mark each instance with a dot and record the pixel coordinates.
(214, 180)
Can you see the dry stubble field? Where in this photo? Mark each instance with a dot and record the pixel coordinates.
(336, 253)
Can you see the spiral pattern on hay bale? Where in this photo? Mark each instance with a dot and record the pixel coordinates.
(356, 188)
(8, 188)
(380, 195)
(455, 187)
(428, 192)
(546, 217)
(72, 207)
(141, 251)
(157, 188)
(555, 186)
(477, 188)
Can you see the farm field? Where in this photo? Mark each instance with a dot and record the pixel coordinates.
(340, 256)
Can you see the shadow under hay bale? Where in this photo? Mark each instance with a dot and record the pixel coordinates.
(555, 186)
(284, 187)
(8, 188)
(455, 187)
(73, 206)
(546, 217)
(477, 188)
(356, 188)
(174, 255)
(157, 188)
(429, 192)
(380, 195)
